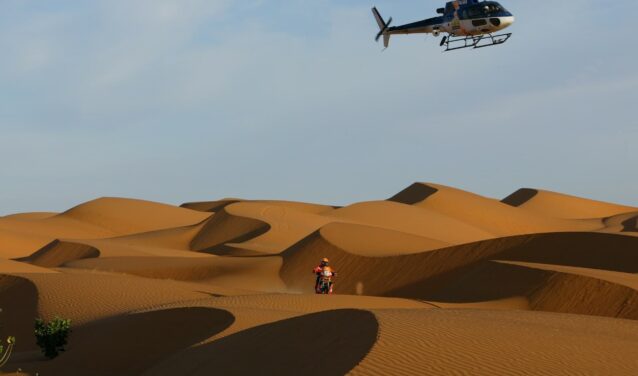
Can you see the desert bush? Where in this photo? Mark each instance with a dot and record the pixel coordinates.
(52, 336)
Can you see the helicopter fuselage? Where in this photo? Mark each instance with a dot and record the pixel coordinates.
(461, 18)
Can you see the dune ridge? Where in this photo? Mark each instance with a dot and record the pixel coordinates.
(449, 274)
(125, 216)
(488, 214)
(209, 206)
(57, 253)
(561, 205)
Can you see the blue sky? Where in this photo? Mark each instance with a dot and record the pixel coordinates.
(184, 100)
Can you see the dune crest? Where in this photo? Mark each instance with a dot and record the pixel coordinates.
(127, 216)
(58, 253)
(492, 215)
(465, 273)
(560, 205)
(209, 206)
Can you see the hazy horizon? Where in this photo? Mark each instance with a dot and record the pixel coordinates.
(176, 101)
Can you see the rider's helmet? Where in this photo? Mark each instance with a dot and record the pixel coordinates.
(325, 261)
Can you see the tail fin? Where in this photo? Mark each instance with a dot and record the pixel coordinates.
(383, 27)
(377, 16)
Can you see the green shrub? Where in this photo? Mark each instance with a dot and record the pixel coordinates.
(52, 336)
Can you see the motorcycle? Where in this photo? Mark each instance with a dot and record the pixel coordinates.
(325, 282)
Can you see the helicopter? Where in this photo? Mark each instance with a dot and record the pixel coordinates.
(468, 23)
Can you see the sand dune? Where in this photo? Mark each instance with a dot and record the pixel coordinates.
(271, 227)
(58, 253)
(432, 281)
(19, 301)
(349, 334)
(259, 227)
(243, 273)
(302, 304)
(172, 238)
(224, 227)
(460, 273)
(14, 244)
(488, 214)
(584, 291)
(22, 235)
(468, 342)
(626, 224)
(185, 327)
(287, 222)
(563, 206)
(377, 241)
(412, 220)
(11, 267)
(30, 216)
(127, 216)
(209, 206)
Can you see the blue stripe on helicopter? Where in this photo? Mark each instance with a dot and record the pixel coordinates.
(448, 18)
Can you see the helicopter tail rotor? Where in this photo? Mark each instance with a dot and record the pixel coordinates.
(383, 27)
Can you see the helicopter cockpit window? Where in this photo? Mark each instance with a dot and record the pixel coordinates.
(481, 10)
(491, 8)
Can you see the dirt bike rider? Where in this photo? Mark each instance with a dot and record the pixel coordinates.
(321, 270)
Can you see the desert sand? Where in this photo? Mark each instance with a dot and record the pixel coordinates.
(431, 281)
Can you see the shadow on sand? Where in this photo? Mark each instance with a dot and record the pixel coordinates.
(128, 345)
(324, 343)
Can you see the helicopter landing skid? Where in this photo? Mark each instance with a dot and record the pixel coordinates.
(474, 41)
